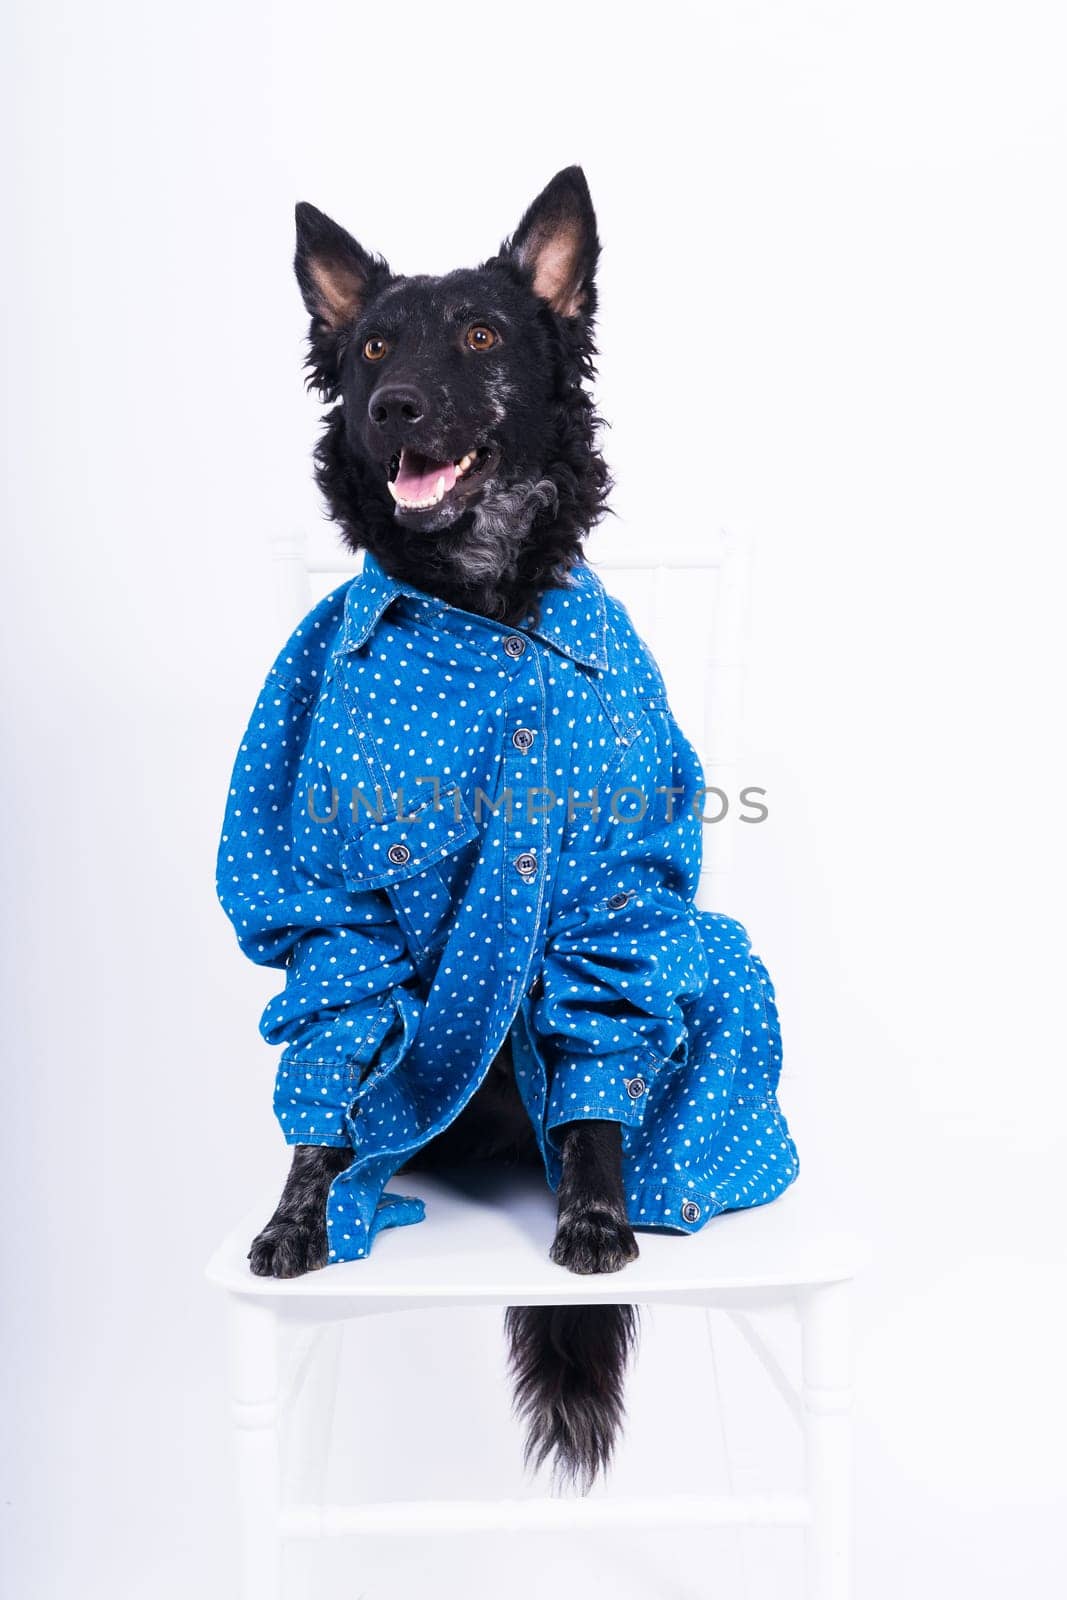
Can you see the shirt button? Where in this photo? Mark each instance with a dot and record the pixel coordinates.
(523, 738)
(398, 854)
(514, 645)
(617, 901)
(635, 1087)
(526, 864)
(690, 1211)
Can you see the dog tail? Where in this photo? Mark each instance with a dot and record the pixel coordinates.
(569, 1364)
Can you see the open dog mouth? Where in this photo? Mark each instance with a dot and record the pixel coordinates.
(418, 483)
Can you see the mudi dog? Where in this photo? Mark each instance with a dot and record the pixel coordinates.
(508, 981)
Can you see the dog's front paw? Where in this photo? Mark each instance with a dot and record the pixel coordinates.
(593, 1240)
(287, 1249)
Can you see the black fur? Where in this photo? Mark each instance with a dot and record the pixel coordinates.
(506, 531)
(294, 1240)
(568, 1364)
(525, 398)
(592, 1233)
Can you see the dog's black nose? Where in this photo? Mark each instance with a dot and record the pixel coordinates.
(397, 406)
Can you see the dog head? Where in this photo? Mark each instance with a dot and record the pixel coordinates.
(461, 446)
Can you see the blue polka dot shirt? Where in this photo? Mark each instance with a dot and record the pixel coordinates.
(445, 832)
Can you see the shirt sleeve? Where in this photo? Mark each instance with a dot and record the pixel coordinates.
(343, 1010)
(624, 949)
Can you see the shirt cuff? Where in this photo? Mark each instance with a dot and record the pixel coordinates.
(311, 1099)
(599, 1089)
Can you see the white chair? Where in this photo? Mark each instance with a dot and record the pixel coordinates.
(477, 1248)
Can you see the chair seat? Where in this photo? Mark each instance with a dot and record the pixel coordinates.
(486, 1236)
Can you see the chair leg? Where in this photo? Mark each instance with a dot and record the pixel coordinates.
(253, 1383)
(306, 1437)
(827, 1396)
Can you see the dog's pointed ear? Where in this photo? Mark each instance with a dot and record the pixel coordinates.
(556, 243)
(337, 277)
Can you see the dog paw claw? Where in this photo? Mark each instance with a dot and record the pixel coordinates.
(594, 1241)
(288, 1249)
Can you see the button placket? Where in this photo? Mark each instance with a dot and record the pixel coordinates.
(525, 858)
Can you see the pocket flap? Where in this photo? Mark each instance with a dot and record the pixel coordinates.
(387, 852)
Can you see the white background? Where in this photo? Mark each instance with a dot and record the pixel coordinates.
(833, 313)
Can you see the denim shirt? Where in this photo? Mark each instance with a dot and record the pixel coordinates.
(446, 831)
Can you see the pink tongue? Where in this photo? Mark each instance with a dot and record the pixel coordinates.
(418, 475)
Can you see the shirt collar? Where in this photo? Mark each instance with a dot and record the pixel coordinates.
(573, 618)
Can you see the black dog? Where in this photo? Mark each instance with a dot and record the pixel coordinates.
(461, 451)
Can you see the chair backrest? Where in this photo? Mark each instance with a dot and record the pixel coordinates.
(687, 603)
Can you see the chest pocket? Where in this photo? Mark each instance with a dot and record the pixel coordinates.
(630, 690)
(418, 859)
(628, 707)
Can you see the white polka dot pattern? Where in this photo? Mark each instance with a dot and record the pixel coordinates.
(444, 837)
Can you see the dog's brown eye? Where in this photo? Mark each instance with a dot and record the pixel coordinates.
(479, 337)
(375, 349)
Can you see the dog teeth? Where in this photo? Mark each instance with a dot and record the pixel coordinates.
(420, 505)
(439, 489)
